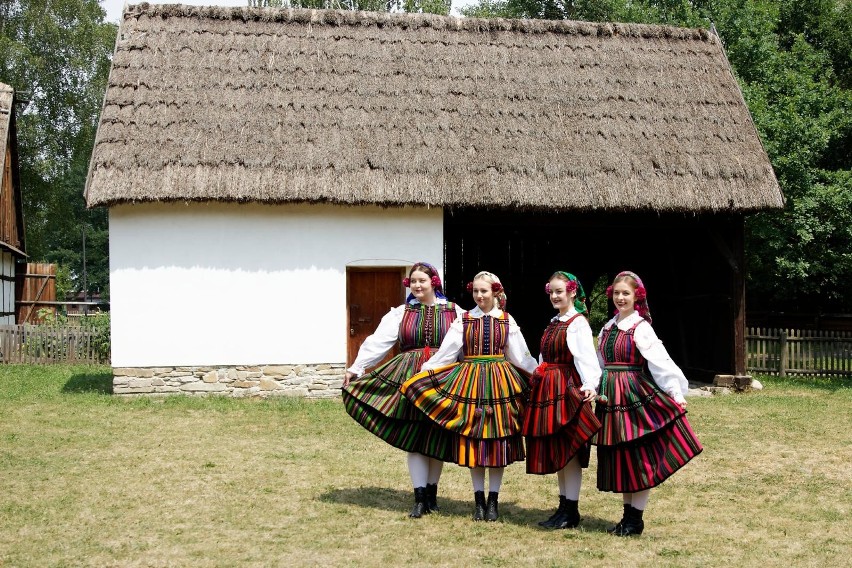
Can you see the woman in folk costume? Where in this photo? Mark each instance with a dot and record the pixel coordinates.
(374, 400)
(559, 421)
(645, 436)
(481, 398)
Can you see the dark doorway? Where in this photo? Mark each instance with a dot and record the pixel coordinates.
(689, 263)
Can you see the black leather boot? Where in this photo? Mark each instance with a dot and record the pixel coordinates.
(491, 512)
(620, 523)
(420, 507)
(570, 517)
(633, 523)
(479, 505)
(549, 523)
(432, 497)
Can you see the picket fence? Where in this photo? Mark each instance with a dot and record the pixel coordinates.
(50, 344)
(785, 352)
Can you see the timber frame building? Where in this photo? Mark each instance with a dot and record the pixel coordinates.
(12, 248)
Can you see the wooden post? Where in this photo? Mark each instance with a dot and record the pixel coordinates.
(738, 296)
(782, 360)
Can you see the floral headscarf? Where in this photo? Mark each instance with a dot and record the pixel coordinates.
(641, 304)
(496, 287)
(437, 285)
(573, 285)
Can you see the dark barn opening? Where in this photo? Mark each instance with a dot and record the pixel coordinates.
(687, 261)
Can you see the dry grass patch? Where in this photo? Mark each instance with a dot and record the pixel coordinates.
(93, 480)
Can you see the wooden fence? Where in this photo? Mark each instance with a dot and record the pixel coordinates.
(798, 352)
(36, 290)
(51, 344)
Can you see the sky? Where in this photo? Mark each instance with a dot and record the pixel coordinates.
(114, 7)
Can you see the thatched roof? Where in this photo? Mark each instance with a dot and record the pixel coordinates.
(282, 105)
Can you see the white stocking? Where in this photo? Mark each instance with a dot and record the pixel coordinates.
(418, 469)
(570, 479)
(435, 469)
(477, 477)
(495, 478)
(640, 499)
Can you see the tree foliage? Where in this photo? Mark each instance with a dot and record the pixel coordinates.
(56, 55)
(441, 7)
(793, 60)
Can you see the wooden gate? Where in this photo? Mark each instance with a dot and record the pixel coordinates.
(370, 293)
(36, 289)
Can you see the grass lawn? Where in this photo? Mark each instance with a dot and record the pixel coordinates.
(89, 479)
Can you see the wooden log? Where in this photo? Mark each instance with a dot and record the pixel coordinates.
(723, 381)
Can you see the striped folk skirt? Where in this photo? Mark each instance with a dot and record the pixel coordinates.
(480, 400)
(375, 402)
(558, 425)
(644, 436)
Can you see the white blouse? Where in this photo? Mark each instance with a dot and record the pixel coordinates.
(581, 343)
(451, 349)
(377, 345)
(665, 372)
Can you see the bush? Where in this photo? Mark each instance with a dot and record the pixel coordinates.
(99, 324)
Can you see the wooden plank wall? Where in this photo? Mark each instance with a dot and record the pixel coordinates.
(8, 208)
(35, 288)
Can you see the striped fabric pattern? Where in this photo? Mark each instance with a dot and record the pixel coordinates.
(644, 436)
(557, 425)
(480, 399)
(375, 401)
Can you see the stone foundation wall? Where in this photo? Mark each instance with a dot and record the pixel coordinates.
(312, 381)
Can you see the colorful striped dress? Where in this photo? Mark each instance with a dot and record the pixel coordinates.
(374, 400)
(480, 399)
(558, 425)
(644, 436)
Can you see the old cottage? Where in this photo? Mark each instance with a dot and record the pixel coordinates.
(270, 174)
(11, 209)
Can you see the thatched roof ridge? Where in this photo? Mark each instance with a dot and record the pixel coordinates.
(278, 105)
(340, 18)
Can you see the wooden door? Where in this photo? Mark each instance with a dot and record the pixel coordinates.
(370, 293)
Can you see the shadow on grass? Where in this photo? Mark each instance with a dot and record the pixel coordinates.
(401, 502)
(100, 383)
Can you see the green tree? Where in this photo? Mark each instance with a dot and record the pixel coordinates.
(789, 59)
(679, 12)
(56, 54)
(414, 6)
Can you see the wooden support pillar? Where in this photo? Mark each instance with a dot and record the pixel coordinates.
(738, 295)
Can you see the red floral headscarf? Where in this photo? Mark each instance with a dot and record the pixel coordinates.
(641, 293)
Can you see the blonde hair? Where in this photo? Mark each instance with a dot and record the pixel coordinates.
(499, 297)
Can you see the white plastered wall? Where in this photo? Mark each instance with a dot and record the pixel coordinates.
(7, 287)
(248, 284)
